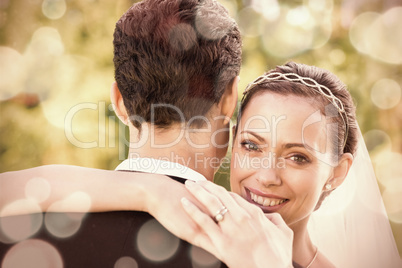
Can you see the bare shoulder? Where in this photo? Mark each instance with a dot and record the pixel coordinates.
(322, 261)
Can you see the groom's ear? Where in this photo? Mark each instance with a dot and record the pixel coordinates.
(229, 100)
(118, 104)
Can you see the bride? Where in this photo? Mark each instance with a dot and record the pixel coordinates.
(297, 157)
(294, 143)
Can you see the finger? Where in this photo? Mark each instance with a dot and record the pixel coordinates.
(207, 229)
(245, 204)
(276, 219)
(204, 221)
(224, 196)
(280, 223)
(212, 202)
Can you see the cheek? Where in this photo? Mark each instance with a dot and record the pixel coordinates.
(304, 183)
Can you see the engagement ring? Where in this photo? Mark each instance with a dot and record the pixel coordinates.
(219, 215)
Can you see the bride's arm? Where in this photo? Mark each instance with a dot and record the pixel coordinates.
(65, 188)
(107, 190)
(54, 188)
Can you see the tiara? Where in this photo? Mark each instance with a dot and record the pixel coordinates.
(311, 83)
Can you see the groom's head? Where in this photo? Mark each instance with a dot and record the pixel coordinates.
(183, 54)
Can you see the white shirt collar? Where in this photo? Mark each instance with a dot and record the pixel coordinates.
(157, 166)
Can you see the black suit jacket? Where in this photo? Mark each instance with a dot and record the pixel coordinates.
(107, 239)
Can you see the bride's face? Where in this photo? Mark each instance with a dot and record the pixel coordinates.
(277, 155)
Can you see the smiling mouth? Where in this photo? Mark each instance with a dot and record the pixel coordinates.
(269, 203)
(265, 201)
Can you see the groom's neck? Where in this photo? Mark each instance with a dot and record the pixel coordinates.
(189, 147)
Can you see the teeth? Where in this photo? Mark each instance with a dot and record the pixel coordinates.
(266, 202)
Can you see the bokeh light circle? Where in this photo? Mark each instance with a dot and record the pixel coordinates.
(230, 5)
(20, 227)
(155, 243)
(377, 36)
(12, 70)
(67, 224)
(393, 201)
(32, 253)
(126, 262)
(182, 37)
(54, 9)
(208, 23)
(63, 224)
(77, 202)
(296, 30)
(37, 189)
(41, 57)
(359, 30)
(384, 38)
(270, 9)
(320, 6)
(337, 57)
(249, 21)
(388, 167)
(284, 40)
(65, 95)
(298, 16)
(45, 41)
(376, 139)
(203, 259)
(386, 93)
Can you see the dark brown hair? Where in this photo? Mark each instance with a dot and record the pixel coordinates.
(182, 53)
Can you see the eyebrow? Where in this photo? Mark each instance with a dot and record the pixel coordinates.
(290, 145)
(261, 139)
(298, 145)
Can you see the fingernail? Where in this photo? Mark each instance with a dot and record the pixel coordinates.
(185, 201)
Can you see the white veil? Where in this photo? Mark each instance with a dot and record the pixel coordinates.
(351, 227)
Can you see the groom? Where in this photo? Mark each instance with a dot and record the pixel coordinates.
(176, 67)
(176, 70)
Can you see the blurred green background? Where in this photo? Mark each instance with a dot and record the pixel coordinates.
(56, 71)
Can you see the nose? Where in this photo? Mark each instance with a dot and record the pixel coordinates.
(269, 176)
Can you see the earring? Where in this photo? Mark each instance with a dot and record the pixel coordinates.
(328, 186)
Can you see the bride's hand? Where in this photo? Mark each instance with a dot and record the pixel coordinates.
(245, 236)
(163, 201)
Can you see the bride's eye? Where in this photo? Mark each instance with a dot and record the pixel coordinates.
(299, 159)
(250, 146)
